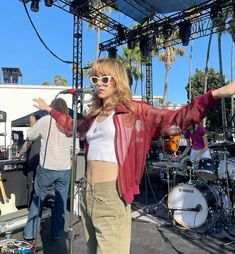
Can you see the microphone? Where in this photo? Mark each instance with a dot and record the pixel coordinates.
(197, 209)
(88, 90)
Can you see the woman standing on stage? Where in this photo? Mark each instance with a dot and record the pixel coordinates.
(118, 133)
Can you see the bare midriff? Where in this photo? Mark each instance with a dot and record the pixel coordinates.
(101, 171)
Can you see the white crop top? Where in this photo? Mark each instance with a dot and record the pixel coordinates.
(100, 138)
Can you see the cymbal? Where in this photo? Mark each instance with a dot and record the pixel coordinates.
(221, 144)
(167, 164)
(215, 136)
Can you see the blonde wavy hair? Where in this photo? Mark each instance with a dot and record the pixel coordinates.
(122, 94)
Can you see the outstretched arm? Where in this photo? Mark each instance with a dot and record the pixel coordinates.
(224, 91)
(63, 121)
(41, 104)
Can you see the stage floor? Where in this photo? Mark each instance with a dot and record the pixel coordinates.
(152, 232)
(147, 237)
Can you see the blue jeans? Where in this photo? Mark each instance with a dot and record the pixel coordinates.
(45, 181)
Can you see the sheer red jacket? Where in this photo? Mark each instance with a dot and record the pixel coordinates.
(134, 130)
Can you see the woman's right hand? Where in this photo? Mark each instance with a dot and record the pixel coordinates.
(41, 104)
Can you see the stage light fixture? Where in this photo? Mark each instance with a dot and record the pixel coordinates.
(34, 5)
(216, 13)
(112, 52)
(144, 47)
(25, 1)
(121, 33)
(80, 6)
(185, 32)
(131, 44)
(48, 3)
(167, 31)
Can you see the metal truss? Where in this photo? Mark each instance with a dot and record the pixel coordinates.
(149, 82)
(199, 16)
(77, 52)
(92, 14)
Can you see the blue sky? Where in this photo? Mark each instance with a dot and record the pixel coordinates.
(20, 47)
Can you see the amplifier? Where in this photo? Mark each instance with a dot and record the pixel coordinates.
(11, 164)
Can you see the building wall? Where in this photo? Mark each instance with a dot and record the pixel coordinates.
(17, 101)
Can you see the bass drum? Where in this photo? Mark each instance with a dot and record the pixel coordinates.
(184, 198)
(222, 169)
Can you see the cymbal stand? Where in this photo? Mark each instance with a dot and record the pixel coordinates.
(168, 180)
(227, 184)
(190, 171)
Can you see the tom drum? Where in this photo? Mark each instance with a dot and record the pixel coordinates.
(207, 169)
(222, 169)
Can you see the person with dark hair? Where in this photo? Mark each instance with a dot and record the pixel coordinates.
(197, 143)
(118, 133)
(52, 174)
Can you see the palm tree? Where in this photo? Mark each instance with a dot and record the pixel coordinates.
(168, 57)
(131, 58)
(103, 8)
(190, 71)
(219, 20)
(59, 81)
(206, 68)
(232, 33)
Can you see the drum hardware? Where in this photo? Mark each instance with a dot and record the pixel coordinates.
(170, 169)
(192, 170)
(228, 181)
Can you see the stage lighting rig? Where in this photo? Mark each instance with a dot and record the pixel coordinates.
(34, 5)
(131, 44)
(144, 47)
(121, 33)
(112, 52)
(81, 7)
(167, 31)
(48, 3)
(185, 32)
(216, 13)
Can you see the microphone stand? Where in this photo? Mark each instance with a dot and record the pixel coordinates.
(72, 175)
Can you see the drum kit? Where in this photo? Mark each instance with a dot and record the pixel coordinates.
(208, 193)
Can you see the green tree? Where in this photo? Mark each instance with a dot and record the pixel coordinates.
(45, 83)
(214, 116)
